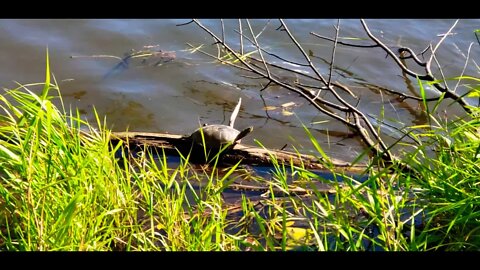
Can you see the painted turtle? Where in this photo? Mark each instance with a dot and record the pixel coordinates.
(217, 136)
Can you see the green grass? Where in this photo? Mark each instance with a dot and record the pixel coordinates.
(449, 182)
(64, 186)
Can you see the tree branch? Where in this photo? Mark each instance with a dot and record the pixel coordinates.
(426, 77)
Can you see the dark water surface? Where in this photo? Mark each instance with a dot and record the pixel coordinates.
(174, 96)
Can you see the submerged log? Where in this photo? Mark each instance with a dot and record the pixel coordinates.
(172, 144)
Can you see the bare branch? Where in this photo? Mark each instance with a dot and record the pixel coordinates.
(326, 102)
(403, 50)
(441, 70)
(442, 39)
(241, 35)
(272, 54)
(359, 119)
(223, 30)
(309, 84)
(263, 29)
(258, 48)
(399, 130)
(234, 114)
(266, 86)
(219, 59)
(300, 48)
(432, 56)
(337, 30)
(429, 75)
(358, 116)
(391, 54)
(306, 76)
(464, 66)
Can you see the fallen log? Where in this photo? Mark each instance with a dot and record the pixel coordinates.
(172, 144)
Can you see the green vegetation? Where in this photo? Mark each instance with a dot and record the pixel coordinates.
(65, 187)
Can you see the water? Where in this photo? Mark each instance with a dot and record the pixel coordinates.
(175, 96)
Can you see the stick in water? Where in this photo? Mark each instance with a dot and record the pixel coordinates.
(235, 113)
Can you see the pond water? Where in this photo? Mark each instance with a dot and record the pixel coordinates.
(175, 95)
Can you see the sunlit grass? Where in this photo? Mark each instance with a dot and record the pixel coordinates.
(63, 186)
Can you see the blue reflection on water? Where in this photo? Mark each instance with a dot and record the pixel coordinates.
(267, 171)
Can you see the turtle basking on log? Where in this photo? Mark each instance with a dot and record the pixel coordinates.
(217, 136)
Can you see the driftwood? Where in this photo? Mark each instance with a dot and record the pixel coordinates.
(172, 144)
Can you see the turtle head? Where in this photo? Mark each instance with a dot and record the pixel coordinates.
(243, 133)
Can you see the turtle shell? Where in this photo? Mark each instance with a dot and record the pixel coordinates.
(215, 135)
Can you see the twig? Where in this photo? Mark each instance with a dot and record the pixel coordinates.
(441, 40)
(358, 116)
(400, 130)
(441, 71)
(241, 35)
(412, 55)
(391, 54)
(258, 48)
(378, 147)
(426, 77)
(305, 55)
(272, 54)
(219, 59)
(464, 66)
(234, 114)
(306, 76)
(263, 29)
(266, 86)
(223, 30)
(97, 56)
(326, 102)
(337, 30)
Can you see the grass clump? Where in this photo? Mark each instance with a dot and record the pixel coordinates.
(63, 186)
(52, 173)
(448, 170)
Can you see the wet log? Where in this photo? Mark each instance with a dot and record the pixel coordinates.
(172, 144)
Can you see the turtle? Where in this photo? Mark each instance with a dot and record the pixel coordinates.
(217, 136)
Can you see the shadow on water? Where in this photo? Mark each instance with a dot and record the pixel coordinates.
(320, 179)
(267, 172)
